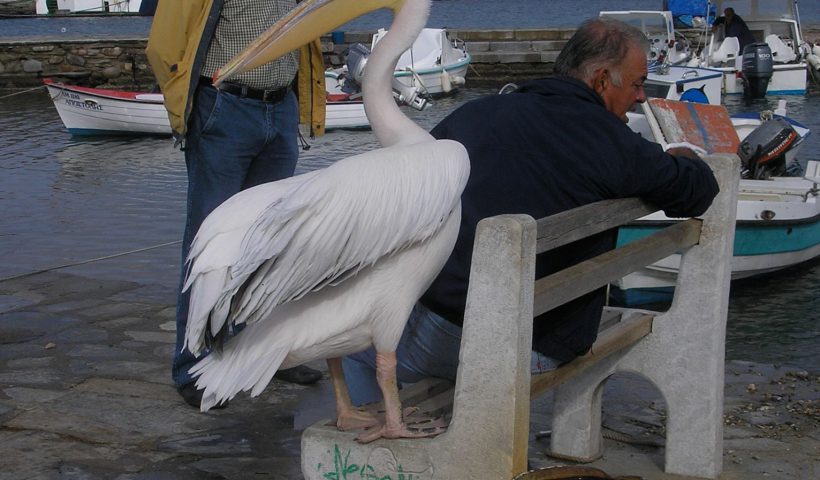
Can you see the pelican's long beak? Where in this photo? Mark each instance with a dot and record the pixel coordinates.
(309, 20)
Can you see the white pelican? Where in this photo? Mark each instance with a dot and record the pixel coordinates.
(327, 263)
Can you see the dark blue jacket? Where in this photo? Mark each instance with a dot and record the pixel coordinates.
(549, 147)
(737, 28)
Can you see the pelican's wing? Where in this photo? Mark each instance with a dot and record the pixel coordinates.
(217, 255)
(355, 213)
(345, 218)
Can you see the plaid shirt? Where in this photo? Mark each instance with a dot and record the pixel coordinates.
(240, 22)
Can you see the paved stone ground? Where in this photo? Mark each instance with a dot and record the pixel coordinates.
(85, 394)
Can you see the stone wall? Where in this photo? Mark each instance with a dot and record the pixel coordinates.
(17, 7)
(115, 63)
(499, 57)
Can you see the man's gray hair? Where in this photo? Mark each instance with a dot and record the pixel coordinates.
(598, 43)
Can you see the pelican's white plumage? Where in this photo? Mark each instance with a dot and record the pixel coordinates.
(327, 263)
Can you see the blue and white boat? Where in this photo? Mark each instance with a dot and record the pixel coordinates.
(778, 226)
(778, 217)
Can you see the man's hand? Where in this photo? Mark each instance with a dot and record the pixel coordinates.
(685, 149)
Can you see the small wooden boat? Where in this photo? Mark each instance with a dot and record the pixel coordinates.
(344, 111)
(97, 111)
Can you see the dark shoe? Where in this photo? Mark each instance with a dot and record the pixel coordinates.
(300, 375)
(193, 397)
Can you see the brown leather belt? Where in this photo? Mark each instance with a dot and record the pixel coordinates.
(244, 91)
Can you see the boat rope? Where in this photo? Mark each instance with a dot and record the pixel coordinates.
(59, 94)
(83, 262)
(21, 92)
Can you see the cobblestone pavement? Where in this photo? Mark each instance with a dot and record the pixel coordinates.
(85, 393)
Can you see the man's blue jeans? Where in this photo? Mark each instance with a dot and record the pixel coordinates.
(428, 347)
(232, 144)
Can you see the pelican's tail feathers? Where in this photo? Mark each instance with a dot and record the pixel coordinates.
(204, 312)
(247, 363)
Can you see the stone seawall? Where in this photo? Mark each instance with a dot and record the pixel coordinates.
(499, 57)
(115, 63)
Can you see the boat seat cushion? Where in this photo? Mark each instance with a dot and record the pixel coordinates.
(728, 51)
(781, 53)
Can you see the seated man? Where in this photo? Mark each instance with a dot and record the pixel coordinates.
(734, 26)
(553, 145)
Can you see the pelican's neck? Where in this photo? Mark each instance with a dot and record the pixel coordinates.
(389, 124)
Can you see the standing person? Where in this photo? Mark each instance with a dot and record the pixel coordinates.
(734, 26)
(553, 145)
(243, 134)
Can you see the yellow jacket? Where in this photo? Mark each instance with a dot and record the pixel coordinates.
(176, 50)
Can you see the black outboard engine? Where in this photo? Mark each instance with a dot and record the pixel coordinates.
(357, 56)
(763, 152)
(758, 68)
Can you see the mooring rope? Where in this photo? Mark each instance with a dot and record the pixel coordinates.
(83, 262)
(21, 92)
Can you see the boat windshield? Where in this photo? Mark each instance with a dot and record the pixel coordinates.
(760, 9)
(652, 23)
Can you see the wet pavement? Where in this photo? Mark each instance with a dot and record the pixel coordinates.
(85, 393)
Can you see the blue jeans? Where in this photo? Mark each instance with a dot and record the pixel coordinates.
(232, 144)
(428, 347)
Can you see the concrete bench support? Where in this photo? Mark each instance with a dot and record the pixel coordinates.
(683, 356)
(488, 433)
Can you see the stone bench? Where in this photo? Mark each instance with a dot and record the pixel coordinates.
(680, 351)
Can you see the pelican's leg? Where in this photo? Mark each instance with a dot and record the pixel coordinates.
(394, 426)
(348, 417)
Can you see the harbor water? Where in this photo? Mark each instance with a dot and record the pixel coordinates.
(113, 208)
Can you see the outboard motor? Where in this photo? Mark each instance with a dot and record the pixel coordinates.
(763, 152)
(758, 68)
(356, 60)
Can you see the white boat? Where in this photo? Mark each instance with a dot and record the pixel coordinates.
(344, 111)
(774, 22)
(666, 46)
(97, 111)
(778, 218)
(673, 72)
(778, 226)
(434, 66)
(91, 6)
(744, 124)
(691, 84)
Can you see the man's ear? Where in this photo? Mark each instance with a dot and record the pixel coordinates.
(600, 81)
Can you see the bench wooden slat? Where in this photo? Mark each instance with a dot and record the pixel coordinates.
(624, 334)
(566, 227)
(582, 278)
